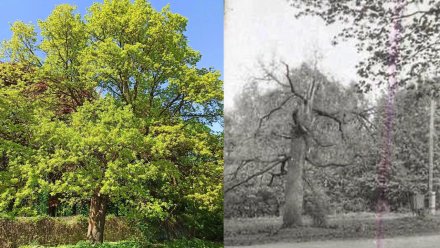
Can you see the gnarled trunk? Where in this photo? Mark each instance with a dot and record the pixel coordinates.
(294, 191)
(98, 209)
(293, 208)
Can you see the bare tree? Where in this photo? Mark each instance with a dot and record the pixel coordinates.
(299, 100)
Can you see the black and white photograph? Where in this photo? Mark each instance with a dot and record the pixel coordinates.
(330, 123)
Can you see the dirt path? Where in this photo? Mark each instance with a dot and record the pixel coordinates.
(432, 241)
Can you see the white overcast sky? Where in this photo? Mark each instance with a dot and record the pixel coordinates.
(257, 29)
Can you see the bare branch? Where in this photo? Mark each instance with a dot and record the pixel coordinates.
(333, 164)
(415, 13)
(267, 116)
(283, 136)
(292, 88)
(332, 116)
(261, 172)
(281, 173)
(269, 76)
(242, 164)
(254, 160)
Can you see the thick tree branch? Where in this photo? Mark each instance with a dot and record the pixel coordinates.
(281, 173)
(292, 88)
(270, 76)
(267, 116)
(332, 164)
(334, 117)
(273, 164)
(169, 104)
(254, 160)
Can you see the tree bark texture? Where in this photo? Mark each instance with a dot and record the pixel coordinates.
(97, 212)
(293, 208)
(294, 189)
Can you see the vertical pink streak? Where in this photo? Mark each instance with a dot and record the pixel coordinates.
(384, 167)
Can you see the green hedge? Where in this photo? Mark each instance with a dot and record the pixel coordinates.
(15, 232)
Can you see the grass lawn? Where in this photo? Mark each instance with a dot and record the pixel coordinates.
(347, 226)
(194, 243)
(430, 241)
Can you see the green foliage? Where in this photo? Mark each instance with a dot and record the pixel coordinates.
(42, 207)
(181, 243)
(22, 45)
(115, 106)
(142, 57)
(192, 243)
(82, 244)
(16, 117)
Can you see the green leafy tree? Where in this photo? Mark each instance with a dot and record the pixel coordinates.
(142, 57)
(17, 104)
(101, 154)
(122, 115)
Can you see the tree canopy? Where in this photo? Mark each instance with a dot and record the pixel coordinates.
(402, 33)
(110, 108)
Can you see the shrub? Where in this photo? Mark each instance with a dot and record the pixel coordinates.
(56, 231)
(317, 207)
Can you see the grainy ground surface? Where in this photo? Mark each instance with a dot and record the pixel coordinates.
(347, 228)
(432, 241)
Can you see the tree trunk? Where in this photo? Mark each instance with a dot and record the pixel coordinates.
(294, 186)
(294, 194)
(294, 191)
(75, 209)
(98, 208)
(52, 205)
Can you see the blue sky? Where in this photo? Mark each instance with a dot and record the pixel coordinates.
(204, 30)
